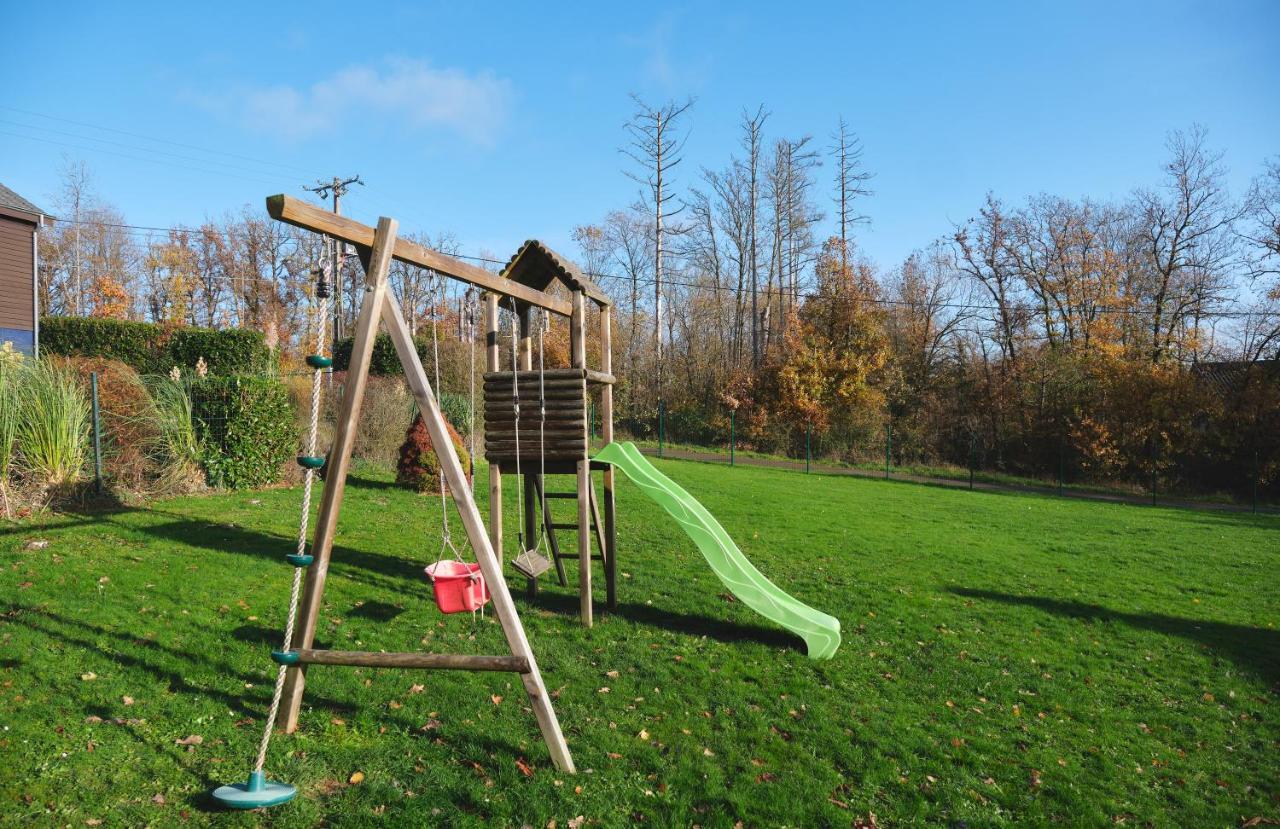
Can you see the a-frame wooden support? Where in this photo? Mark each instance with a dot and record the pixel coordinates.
(378, 304)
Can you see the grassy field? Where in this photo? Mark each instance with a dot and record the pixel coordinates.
(1007, 660)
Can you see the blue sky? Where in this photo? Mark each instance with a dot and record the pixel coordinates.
(502, 124)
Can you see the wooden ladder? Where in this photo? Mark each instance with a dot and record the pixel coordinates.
(551, 525)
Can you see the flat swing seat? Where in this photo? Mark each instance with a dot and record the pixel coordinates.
(458, 587)
(531, 564)
(257, 793)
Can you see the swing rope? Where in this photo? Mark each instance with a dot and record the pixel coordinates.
(322, 313)
(540, 541)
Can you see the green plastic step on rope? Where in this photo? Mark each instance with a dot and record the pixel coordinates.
(820, 631)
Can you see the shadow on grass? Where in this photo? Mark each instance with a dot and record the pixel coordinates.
(90, 637)
(1256, 650)
(226, 538)
(691, 624)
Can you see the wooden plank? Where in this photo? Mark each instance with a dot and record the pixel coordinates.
(309, 217)
(550, 373)
(600, 378)
(552, 542)
(339, 463)
(490, 565)
(445, 661)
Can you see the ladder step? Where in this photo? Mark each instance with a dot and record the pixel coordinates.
(573, 495)
(373, 659)
(575, 556)
(563, 526)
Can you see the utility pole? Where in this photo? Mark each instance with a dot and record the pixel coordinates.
(337, 187)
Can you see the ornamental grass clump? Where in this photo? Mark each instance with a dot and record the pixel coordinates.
(53, 423)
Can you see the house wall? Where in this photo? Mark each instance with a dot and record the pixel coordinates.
(17, 283)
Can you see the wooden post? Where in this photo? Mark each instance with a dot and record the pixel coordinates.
(338, 462)
(492, 362)
(606, 432)
(490, 564)
(578, 350)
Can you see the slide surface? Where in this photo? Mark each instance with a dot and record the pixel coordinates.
(821, 633)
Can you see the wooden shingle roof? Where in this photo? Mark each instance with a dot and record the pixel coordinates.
(537, 265)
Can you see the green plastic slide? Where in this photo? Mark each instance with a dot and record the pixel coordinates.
(821, 633)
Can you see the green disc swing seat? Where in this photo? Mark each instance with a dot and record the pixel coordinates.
(254, 794)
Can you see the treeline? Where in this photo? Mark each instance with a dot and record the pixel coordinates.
(1101, 340)
(240, 270)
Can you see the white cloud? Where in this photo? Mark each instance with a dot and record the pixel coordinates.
(401, 93)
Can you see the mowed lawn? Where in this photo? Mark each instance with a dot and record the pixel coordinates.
(1007, 660)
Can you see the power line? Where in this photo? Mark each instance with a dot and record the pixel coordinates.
(157, 140)
(145, 160)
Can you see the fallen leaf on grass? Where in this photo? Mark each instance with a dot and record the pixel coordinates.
(93, 719)
(192, 740)
(393, 705)
(338, 721)
(766, 777)
(644, 735)
(356, 778)
(93, 821)
(868, 822)
(524, 767)
(417, 689)
(497, 699)
(127, 700)
(89, 677)
(613, 755)
(431, 725)
(158, 799)
(611, 674)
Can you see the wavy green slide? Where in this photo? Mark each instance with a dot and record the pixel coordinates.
(821, 633)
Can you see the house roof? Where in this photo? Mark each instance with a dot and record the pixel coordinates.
(536, 265)
(13, 201)
(1227, 378)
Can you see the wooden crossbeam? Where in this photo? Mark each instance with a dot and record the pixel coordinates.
(298, 213)
(447, 661)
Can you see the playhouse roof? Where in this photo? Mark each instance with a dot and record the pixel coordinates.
(536, 265)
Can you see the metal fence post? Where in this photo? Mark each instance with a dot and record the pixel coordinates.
(733, 435)
(888, 445)
(973, 457)
(97, 433)
(808, 451)
(1062, 464)
(1256, 473)
(661, 425)
(1153, 470)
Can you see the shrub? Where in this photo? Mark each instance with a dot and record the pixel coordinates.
(456, 409)
(419, 467)
(53, 423)
(154, 349)
(125, 418)
(245, 428)
(385, 414)
(384, 359)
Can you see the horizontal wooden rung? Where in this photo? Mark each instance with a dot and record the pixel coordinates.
(601, 378)
(448, 661)
(532, 374)
(573, 495)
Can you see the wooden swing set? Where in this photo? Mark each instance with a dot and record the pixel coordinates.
(558, 443)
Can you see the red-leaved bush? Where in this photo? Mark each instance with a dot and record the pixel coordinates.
(419, 467)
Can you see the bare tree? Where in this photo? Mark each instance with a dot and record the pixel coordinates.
(656, 146)
(851, 181)
(752, 142)
(1185, 236)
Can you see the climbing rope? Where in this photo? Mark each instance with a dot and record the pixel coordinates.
(322, 315)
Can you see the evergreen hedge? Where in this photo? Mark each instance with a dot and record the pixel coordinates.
(155, 349)
(246, 430)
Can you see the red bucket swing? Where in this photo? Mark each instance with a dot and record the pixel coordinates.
(458, 586)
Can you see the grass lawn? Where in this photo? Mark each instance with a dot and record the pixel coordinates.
(1008, 659)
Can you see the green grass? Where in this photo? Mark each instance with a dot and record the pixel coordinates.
(1008, 660)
